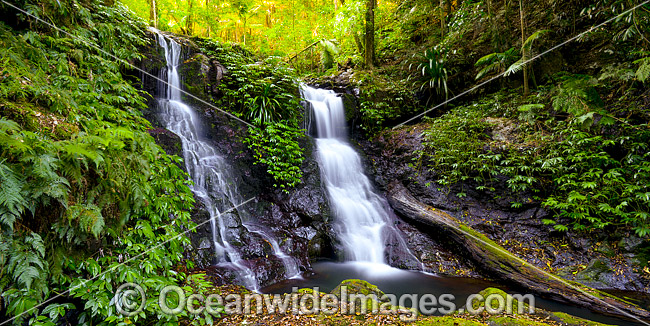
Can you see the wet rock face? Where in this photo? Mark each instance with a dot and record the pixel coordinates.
(298, 220)
(390, 156)
(168, 140)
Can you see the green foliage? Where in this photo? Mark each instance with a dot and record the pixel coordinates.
(276, 146)
(530, 112)
(560, 158)
(328, 51)
(431, 65)
(577, 96)
(526, 48)
(265, 93)
(383, 102)
(264, 108)
(594, 188)
(496, 62)
(643, 72)
(85, 189)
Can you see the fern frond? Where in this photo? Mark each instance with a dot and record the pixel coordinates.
(490, 68)
(488, 59)
(8, 125)
(515, 68)
(643, 72)
(528, 45)
(12, 199)
(27, 263)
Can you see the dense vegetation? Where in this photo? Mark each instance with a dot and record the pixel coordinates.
(264, 93)
(576, 144)
(85, 190)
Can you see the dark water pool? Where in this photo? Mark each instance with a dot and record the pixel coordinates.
(327, 275)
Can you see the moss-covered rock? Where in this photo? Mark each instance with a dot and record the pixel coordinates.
(500, 300)
(570, 320)
(355, 286)
(596, 274)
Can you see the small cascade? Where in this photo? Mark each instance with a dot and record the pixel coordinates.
(364, 222)
(214, 183)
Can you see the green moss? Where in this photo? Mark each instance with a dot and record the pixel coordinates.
(357, 286)
(572, 320)
(512, 305)
(447, 321)
(513, 321)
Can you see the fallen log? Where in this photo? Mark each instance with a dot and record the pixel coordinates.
(503, 264)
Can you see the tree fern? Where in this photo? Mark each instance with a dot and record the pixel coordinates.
(328, 51)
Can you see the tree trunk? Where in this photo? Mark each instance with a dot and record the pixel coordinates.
(357, 41)
(189, 17)
(442, 19)
(499, 262)
(523, 49)
(207, 28)
(153, 14)
(370, 33)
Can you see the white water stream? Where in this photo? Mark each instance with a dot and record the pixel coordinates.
(214, 184)
(362, 218)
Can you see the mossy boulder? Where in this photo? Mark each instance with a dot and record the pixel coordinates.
(500, 300)
(596, 274)
(355, 286)
(371, 297)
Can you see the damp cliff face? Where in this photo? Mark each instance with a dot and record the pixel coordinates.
(300, 220)
(573, 256)
(297, 220)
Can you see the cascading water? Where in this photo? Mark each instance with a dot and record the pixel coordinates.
(213, 182)
(363, 220)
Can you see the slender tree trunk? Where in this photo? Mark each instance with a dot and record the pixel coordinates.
(244, 31)
(370, 33)
(442, 19)
(190, 4)
(153, 13)
(357, 41)
(207, 28)
(523, 49)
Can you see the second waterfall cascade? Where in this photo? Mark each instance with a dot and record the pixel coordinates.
(213, 181)
(363, 221)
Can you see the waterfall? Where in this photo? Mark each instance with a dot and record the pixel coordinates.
(214, 183)
(363, 220)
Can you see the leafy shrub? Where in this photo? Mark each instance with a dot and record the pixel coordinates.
(590, 178)
(265, 93)
(277, 148)
(382, 102)
(88, 200)
(431, 65)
